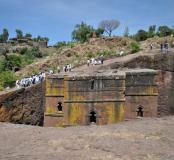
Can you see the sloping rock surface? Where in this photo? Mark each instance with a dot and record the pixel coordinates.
(147, 139)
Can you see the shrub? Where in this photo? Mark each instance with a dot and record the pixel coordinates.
(104, 53)
(23, 51)
(90, 54)
(30, 55)
(15, 61)
(64, 44)
(28, 58)
(2, 65)
(70, 44)
(60, 44)
(7, 78)
(36, 52)
(134, 47)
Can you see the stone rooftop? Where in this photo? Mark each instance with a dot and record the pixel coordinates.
(105, 73)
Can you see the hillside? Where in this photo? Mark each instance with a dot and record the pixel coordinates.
(147, 139)
(31, 59)
(77, 53)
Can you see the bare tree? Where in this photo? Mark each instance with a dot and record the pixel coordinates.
(109, 25)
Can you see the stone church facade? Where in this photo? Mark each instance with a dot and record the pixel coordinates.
(101, 99)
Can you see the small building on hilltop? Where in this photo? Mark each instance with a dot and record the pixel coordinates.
(106, 98)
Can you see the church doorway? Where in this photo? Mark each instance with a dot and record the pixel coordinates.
(140, 112)
(93, 118)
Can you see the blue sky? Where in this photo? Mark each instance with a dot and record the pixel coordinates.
(56, 18)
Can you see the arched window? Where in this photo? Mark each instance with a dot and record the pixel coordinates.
(92, 117)
(59, 106)
(140, 112)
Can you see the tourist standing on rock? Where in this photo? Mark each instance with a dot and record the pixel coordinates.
(65, 68)
(172, 45)
(121, 53)
(58, 69)
(92, 61)
(166, 46)
(51, 71)
(17, 84)
(102, 59)
(151, 46)
(70, 67)
(88, 62)
(161, 47)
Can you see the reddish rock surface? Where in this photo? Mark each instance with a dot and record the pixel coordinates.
(24, 105)
(147, 139)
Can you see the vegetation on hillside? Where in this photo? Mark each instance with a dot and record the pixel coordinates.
(161, 31)
(19, 60)
(83, 32)
(13, 62)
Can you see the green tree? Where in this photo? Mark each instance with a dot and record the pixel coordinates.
(141, 35)
(1, 38)
(39, 38)
(4, 36)
(82, 32)
(45, 39)
(99, 32)
(19, 34)
(109, 25)
(28, 35)
(152, 31)
(164, 31)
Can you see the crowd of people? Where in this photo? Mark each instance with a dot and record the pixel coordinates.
(94, 61)
(67, 68)
(28, 81)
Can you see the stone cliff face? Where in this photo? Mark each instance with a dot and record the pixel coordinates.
(23, 106)
(165, 80)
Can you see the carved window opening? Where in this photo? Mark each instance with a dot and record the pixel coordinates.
(92, 84)
(93, 117)
(59, 106)
(140, 112)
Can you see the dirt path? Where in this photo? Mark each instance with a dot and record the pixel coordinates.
(148, 139)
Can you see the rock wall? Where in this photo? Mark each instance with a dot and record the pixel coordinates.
(23, 106)
(165, 80)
